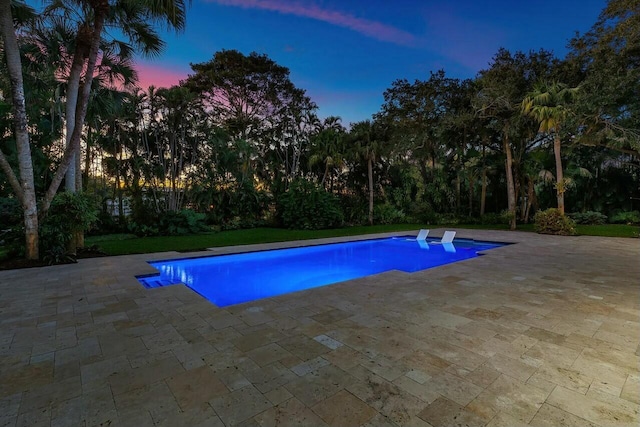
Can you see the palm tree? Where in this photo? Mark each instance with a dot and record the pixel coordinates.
(327, 148)
(134, 19)
(550, 105)
(24, 188)
(368, 144)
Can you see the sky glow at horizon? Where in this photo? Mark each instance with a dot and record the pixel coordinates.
(345, 54)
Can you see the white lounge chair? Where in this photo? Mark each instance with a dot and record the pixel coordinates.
(448, 236)
(422, 235)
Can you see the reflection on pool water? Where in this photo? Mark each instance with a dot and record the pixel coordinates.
(237, 278)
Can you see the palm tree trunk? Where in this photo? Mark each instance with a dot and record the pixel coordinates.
(458, 192)
(511, 189)
(26, 188)
(326, 172)
(81, 111)
(87, 159)
(531, 194)
(370, 174)
(471, 178)
(483, 193)
(73, 89)
(559, 173)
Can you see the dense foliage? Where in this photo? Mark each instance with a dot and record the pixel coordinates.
(238, 145)
(69, 213)
(589, 218)
(171, 223)
(307, 206)
(552, 221)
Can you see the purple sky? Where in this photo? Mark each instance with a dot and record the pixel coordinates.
(346, 53)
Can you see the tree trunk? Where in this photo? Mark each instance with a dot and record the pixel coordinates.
(531, 194)
(370, 174)
(559, 174)
(458, 191)
(73, 89)
(73, 176)
(326, 172)
(483, 191)
(483, 194)
(26, 188)
(471, 192)
(511, 189)
(87, 159)
(81, 110)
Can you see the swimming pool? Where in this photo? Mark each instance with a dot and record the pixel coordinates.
(237, 278)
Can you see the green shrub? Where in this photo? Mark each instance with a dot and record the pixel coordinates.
(178, 223)
(69, 213)
(448, 219)
(422, 212)
(10, 212)
(307, 206)
(589, 218)
(491, 218)
(142, 230)
(238, 223)
(355, 209)
(626, 217)
(58, 255)
(225, 205)
(552, 221)
(183, 222)
(109, 224)
(388, 214)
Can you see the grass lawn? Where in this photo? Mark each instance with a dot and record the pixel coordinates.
(121, 244)
(128, 244)
(609, 230)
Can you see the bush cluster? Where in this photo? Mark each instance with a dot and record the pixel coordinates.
(496, 218)
(10, 213)
(178, 223)
(552, 221)
(69, 213)
(589, 218)
(388, 214)
(306, 206)
(626, 217)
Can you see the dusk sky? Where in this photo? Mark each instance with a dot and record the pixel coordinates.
(346, 53)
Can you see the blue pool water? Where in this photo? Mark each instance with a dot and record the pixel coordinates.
(233, 279)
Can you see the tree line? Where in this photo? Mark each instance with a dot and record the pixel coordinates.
(237, 144)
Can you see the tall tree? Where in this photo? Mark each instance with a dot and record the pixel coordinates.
(608, 57)
(135, 19)
(24, 187)
(328, 148)
(502, 88)
(368, 143)
(253, 99)
(550, 105)
(246, 94)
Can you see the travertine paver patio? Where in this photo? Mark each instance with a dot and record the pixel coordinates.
(544, 332)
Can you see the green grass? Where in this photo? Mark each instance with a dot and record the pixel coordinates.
(121, 244)
(126, 244)
(608, 230)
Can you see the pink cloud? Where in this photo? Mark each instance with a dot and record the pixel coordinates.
(373, 29)
(158, 75)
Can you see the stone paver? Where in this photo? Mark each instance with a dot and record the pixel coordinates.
(544, 332)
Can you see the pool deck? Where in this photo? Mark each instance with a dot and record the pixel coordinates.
(545, 332)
